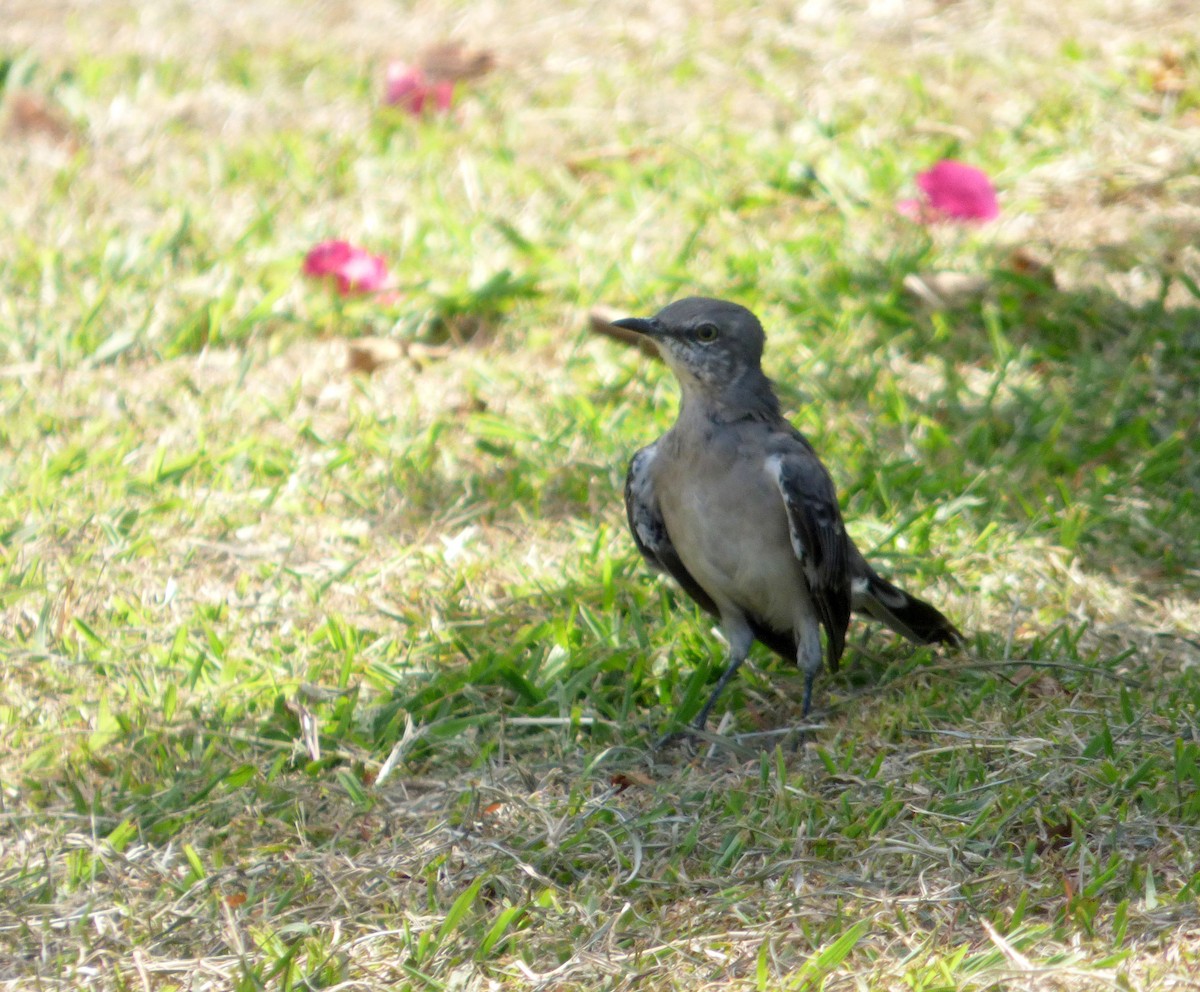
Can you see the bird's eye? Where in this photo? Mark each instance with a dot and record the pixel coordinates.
(707, 333)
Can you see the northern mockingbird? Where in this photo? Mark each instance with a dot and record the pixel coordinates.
(734, 504)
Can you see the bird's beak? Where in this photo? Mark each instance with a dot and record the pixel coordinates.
(651, 328)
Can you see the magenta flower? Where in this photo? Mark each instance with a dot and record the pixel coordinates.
(355, 269)
(953, 191)
(407, 87)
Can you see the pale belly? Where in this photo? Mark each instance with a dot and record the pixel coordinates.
(731, 533)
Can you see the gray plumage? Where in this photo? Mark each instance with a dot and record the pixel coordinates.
(735, 505)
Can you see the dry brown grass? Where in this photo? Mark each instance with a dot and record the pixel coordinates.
(179, 644)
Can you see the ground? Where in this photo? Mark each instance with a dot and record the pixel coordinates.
(321, 677)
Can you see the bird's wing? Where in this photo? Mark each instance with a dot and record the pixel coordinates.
(650, 530)
(818, 535)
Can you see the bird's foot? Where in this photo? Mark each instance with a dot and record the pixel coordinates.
(685, 736)
(799, 740)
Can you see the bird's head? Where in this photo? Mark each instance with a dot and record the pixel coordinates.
(714, 348)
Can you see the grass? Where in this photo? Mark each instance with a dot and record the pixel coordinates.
(316, 679)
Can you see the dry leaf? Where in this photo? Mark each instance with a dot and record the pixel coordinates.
(368, 354)
(1038, 683)
(1168, 71)
(30, 114)
(451, 61)
(1171, 81)
(945, 289)
(1047, 686)
(592, 159)
(1055, 836)
(1026, 263)
(625, 780)
(601, 321)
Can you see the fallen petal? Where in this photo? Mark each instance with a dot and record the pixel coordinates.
(327, 258)
(407, 87)
(355, 269)
(959, 192)
(443, 95)
(404, 87)
(362, 273)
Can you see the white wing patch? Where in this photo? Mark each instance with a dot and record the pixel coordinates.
(774, 466)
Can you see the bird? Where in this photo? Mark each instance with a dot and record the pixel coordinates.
(735, 505)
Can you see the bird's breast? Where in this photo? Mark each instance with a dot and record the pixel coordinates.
(728, 523)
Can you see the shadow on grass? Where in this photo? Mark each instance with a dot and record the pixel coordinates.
(1082, 425)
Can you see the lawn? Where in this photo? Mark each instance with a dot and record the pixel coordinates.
(327, 659)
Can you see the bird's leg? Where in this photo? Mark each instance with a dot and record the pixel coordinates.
(737, 633)
(740, 638)
(808, 657)
(809, 679)
(730, 670)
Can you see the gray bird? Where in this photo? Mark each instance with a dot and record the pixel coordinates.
(733, 503)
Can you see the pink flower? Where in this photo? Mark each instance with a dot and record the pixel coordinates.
(953, 191)
(408, 88)
(356, 270)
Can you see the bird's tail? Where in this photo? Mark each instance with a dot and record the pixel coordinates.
(906, 615)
